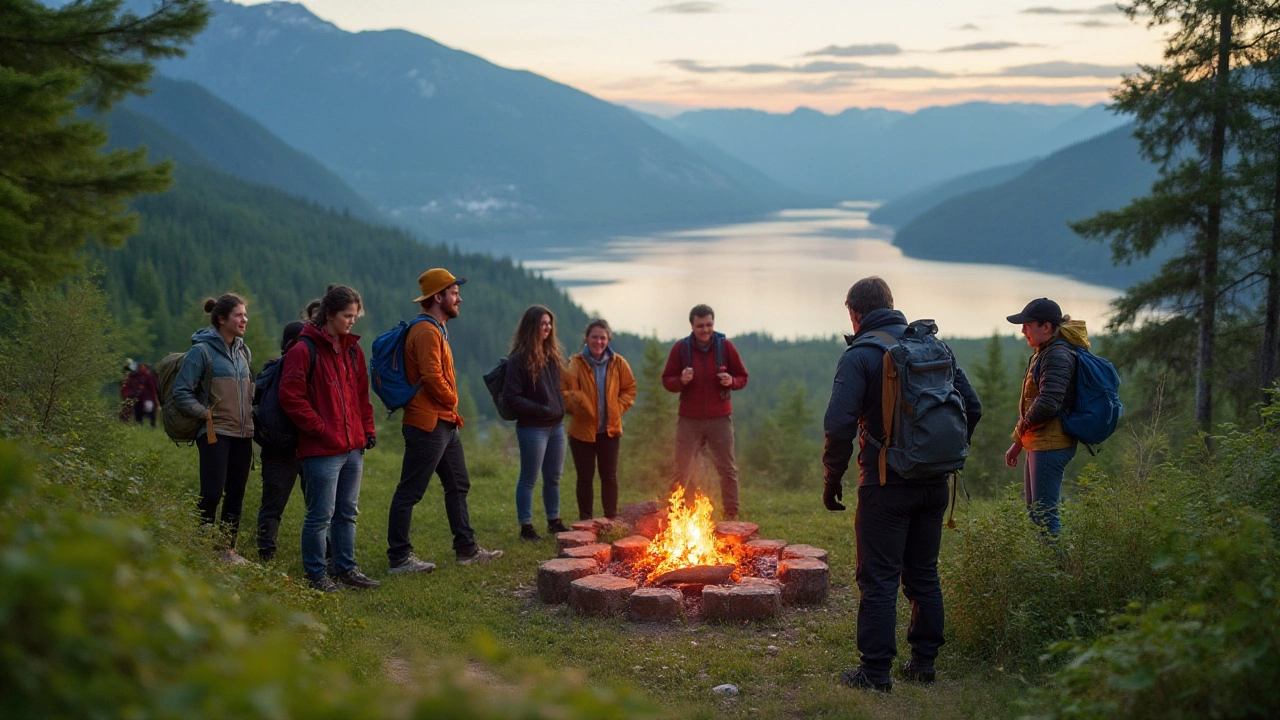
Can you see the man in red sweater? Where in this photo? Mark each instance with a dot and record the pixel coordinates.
(704, 368)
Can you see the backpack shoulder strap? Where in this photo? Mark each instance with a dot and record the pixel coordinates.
(686, 353)
(311, 347)
(890, 391)
(206, 378)
(439, 326)
(719, 344)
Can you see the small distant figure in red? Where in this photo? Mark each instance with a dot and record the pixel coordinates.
(140, 393)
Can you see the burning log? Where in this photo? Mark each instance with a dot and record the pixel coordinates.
(735, 603)
(697, 575)
(600, 552)
(555, 577)
(655, 605)
(804, 581)
(804, 551)
(600, 595)
(688, 541)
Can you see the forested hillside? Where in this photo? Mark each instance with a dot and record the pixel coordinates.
(212, 232)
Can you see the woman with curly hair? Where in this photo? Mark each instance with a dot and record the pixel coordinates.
(532, 391)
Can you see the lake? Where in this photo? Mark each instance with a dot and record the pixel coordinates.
(787, 275)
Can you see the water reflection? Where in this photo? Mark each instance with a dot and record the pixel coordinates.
(787, 275)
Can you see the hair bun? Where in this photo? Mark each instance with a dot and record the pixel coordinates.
(209, 304)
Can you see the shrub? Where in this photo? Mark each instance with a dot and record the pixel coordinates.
(1212, 651)
(96, 621)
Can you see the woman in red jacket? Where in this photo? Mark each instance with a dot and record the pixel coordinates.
(324, 389)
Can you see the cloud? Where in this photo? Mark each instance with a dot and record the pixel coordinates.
(1095, 24)
(877, 49)
(817, 67)
(968, 26)
(1096, 10)
(1020, 89)
(1064, 69)
(688, 8)
(981, 46)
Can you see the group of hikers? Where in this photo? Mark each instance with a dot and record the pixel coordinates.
(898, 391)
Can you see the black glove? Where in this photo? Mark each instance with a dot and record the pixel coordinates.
(832, 494)
(370, 441)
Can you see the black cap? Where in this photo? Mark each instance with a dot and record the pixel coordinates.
(1038, 310)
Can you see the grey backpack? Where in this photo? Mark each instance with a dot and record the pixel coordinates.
(925, 431)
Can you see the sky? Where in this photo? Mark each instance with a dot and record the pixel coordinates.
(777, 55)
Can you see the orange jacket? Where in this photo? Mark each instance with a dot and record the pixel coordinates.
(427, 357)
(578, 386)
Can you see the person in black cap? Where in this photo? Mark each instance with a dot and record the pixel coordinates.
(280, 468)
(1047, 391)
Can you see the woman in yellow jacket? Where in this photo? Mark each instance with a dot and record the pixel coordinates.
(595, 430)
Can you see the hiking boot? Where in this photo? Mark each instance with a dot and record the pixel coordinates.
(266, 556)
(528, 533)
(918, 672)
(479, 555)
(231, 557)
(858, 678)
(325, 585)
(556, 526)
(358, 580)
(410, 565)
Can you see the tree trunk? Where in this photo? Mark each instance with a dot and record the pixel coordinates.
(1271, 317)
(1213, 230)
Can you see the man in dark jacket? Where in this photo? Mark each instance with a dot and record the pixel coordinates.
(898, 524)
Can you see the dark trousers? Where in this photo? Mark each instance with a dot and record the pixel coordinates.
(899, 533)
(438, 452)
(224, 473)
(586, 455)
(278, 476)
(139, 414)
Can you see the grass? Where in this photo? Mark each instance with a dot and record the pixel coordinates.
(489, 619)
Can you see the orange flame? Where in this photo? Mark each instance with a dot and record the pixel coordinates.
(689, 538)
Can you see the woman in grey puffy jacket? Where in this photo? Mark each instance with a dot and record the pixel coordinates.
(215, 382)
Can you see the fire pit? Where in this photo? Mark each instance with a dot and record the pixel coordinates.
(680, 563)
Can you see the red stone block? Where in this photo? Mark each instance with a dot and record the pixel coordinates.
(630, 549)
(736, 532)
(764, 548)
(804, 551)
(555, 576)
(573, 538)
(600, 595)
(600, 552)
(735, 603)
(804, 581)
(651, 604)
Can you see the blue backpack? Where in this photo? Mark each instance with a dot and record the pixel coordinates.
(1097, 403)
(386, 365)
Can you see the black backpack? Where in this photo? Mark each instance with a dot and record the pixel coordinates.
(272, 428)
(494, 380)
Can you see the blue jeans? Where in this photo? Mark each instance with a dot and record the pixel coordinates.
(1042, 485)
(541, 448)
(332, 496)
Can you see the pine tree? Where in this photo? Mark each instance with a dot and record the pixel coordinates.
(651, 424)
(57, 188)
(998, 391)
(1187, 111)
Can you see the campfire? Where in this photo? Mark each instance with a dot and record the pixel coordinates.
(687, 549)
(680, 562)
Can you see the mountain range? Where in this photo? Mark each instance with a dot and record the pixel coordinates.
(878, 154)
(442, 139)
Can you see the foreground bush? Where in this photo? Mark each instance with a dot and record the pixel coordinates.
(1213, 651)
(97, 622)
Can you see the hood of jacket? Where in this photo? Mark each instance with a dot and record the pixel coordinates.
(1074, 332)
